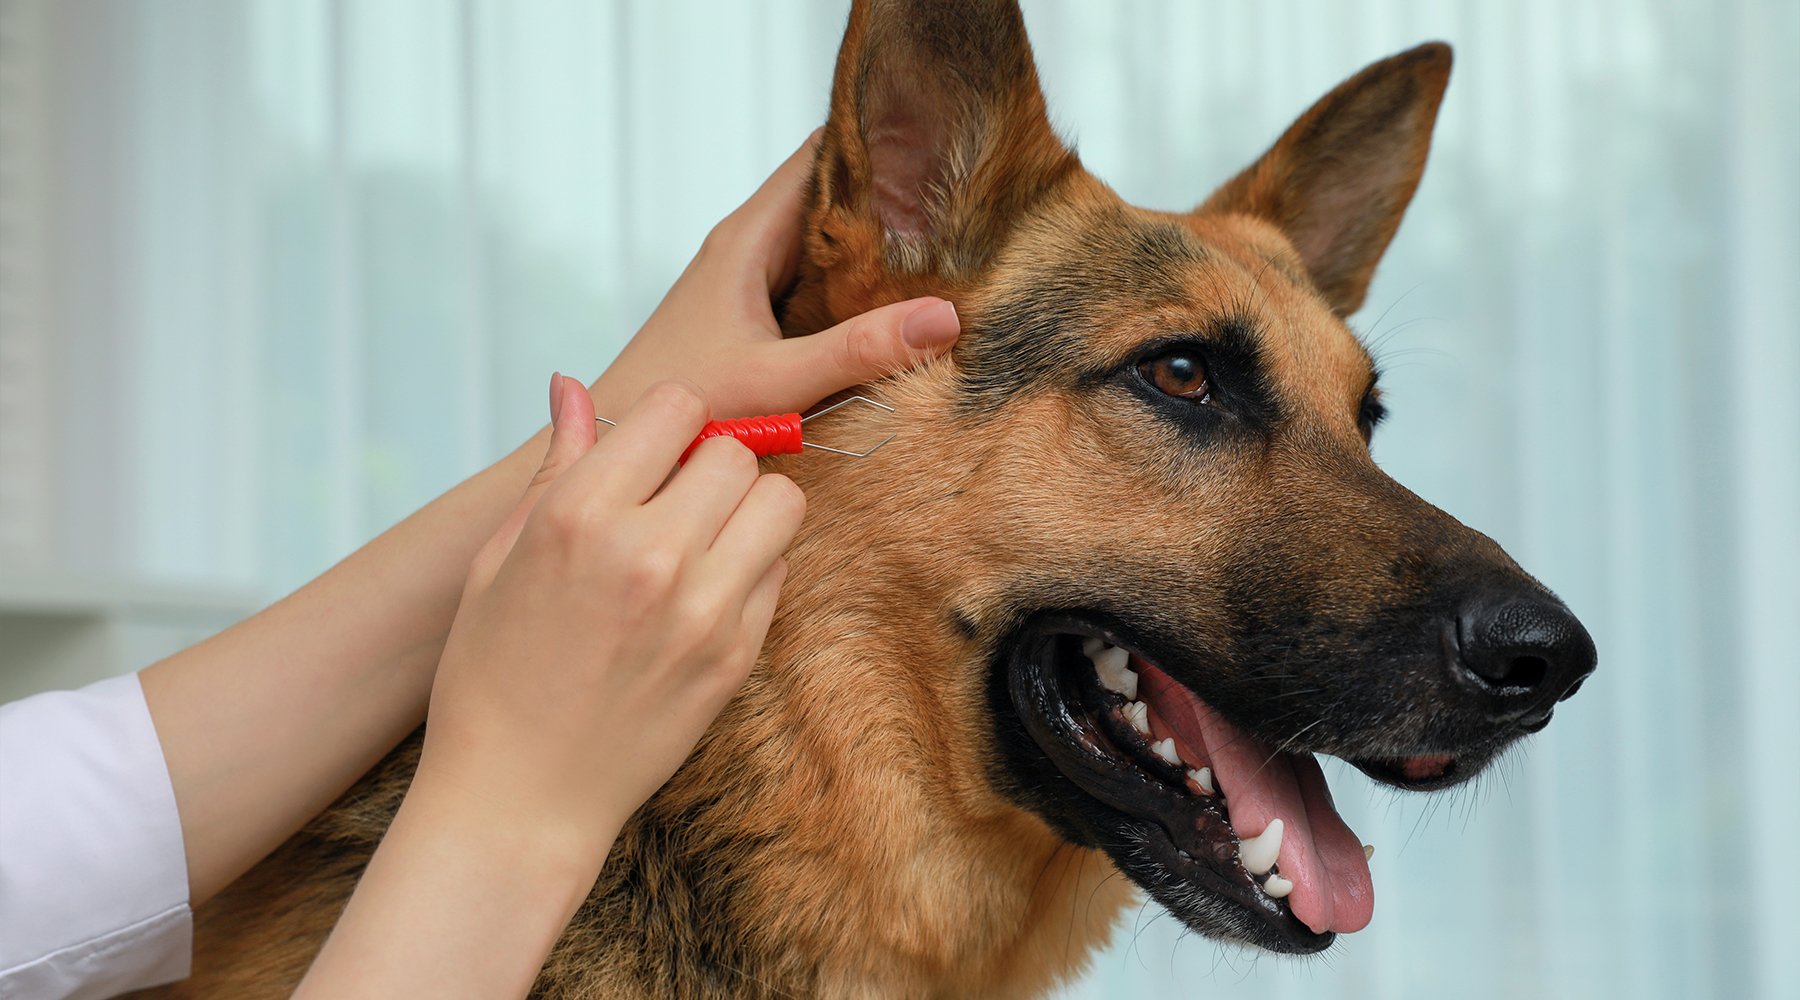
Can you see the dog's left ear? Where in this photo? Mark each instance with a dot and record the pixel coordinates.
(937, 141)
(1338, 181)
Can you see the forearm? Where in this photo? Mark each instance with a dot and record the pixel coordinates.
(264, 724)
(464, 898)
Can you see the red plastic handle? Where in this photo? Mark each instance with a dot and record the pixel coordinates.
(777, 434)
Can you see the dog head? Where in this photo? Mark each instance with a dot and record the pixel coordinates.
(1149, 566)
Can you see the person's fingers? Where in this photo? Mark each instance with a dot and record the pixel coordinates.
(632, 460)
(556, 395)
(765, 230)
(698, 499)
(759, 607)
(572, 433)
(862, 348)
(758, 532)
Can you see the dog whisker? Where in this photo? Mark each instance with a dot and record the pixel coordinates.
(1371, 337)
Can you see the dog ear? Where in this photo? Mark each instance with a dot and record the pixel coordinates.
(1339, 179)
(937, 141)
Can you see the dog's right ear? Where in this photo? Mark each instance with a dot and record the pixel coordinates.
(936, 143)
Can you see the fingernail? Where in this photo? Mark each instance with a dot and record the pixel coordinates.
(556, 394)
(931, 325)
(562, 398)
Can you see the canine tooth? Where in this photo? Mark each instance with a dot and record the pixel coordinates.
(1204, 780)
(1277, 887)
(1259, 852)
(1166, 750)
(1138, 714)
(1091, 645)
(1368, 851)
(1110, 664)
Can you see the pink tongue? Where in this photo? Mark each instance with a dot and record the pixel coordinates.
(1319, 853)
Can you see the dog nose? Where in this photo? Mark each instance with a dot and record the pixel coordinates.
(1524, 653)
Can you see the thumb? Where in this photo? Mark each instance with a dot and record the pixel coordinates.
(572, 433)
(863, 348)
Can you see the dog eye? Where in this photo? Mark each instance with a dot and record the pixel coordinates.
(1177, 372)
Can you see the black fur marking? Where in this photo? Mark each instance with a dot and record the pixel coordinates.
(1239, 377)
(966, 625)
(1241, 399)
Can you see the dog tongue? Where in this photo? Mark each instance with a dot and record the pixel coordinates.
(1319, 853)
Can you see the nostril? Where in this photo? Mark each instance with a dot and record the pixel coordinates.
(1526, 672)
(1526, 651)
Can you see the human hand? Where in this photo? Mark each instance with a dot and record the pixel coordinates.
(717, 328)
(608, 620)
(601, 628)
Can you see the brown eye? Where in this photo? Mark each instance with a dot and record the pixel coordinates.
(1177, 372)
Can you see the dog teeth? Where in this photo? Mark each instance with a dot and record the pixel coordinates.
(1202, 781)
(1111, 663)
(1166, 750)
(1368, 851)
(1259, 852)
(1277, 887)
(1138, 714)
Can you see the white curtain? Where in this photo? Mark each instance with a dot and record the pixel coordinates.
(320, 257)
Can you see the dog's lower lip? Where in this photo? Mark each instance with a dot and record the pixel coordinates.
(1420, 773)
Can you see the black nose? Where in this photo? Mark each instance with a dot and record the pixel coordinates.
(1524, 653)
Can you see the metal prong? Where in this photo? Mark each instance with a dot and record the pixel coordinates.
(841, 451)
(841, 402)
(852, 454)
(849, 399)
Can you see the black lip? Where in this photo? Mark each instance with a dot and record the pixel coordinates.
(1168, 842)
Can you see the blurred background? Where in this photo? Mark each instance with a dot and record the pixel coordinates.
(306, 263)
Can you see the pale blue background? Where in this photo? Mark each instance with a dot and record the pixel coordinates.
(323, 255)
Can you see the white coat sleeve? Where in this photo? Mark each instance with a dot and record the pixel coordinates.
(93, 874)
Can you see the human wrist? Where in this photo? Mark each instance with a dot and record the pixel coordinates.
(460, 899)
(502, 807)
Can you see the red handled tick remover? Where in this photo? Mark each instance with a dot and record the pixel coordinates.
(780, 433)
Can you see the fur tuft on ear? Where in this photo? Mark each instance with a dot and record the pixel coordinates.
(937, 138)
(1339, 179)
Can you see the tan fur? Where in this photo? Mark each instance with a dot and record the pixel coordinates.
(839, 831)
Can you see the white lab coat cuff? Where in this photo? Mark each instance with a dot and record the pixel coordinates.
(93, 870)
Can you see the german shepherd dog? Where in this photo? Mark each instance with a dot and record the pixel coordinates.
(1127, 569)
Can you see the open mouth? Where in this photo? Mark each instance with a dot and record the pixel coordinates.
(1238, 837)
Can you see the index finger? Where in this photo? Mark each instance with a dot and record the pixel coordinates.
(630, 462)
